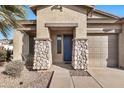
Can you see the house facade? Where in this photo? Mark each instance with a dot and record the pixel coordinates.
(6, 44)
(71, 34)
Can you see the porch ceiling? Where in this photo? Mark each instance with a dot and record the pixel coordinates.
(28, 26)
(33, 34)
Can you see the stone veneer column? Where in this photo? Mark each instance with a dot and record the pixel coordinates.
(80, 54)
(42, 56)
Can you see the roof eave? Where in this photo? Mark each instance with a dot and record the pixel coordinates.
(34, 7)
(107, 14)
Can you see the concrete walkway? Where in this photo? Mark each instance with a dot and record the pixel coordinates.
(108, 77)
(85, 82)
(62, 79)
(101, 77)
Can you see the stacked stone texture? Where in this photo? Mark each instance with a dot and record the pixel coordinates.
(41, 56)
(80, 54)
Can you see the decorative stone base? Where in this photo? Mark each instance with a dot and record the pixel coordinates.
(80, 54)
(42, 56)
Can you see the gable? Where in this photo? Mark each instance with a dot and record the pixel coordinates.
(94, 13)
(55, 13)
(102, 14)
(34, 7)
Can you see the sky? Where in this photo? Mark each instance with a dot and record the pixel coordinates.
(114, 9)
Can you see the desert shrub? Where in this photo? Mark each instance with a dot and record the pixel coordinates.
(3, 55)
(29, 62)
(14, 68)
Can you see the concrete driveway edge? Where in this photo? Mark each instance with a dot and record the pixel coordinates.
(93, 76)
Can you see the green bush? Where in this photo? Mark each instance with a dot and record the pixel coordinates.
(3, 55)
(14, 68)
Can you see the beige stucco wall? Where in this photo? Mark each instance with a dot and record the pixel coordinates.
(21, 45)
(69, 14)
(58, 58)
(105, 26)
(121, 48)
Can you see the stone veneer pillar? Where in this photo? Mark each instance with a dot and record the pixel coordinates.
(80, 54)
(42, 56)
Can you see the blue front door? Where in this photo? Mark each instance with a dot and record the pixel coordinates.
(68, 48)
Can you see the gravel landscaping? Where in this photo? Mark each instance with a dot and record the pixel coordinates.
(79, 73)
(28, 79)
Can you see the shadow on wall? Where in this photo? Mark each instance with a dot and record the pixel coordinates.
(28, 50)
(112, 60)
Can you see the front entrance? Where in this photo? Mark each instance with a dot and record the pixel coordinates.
(61, 41)
(67, 48)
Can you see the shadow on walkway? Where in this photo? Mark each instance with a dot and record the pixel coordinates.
(65, 66)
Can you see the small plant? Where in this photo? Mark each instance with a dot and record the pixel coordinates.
(14, 68)
(3, 55)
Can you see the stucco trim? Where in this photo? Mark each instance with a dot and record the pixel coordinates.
(76, 39)
(27, 22)
(27, 28)
(102, 20)
(48, 39)
(61, 24)
(103, 30)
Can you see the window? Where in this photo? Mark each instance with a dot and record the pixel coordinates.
(59, 44)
